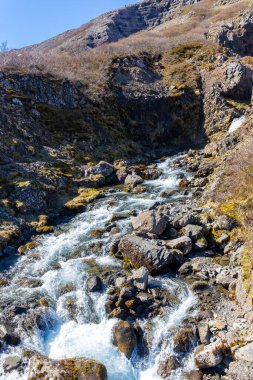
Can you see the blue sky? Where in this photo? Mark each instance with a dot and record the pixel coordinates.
(25, 22)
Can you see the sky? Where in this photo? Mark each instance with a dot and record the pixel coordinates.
(26, 22)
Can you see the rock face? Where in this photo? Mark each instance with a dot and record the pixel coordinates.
(44, 368)
(150, 222)
(116, 25)
(124, 338)
(140, 252)
(235, 34)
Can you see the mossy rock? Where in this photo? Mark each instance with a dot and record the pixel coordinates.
(44, 229)
(41, 367)
(27, 247)
(79, 203)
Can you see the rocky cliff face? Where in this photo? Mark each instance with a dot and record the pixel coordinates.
(235, 34)
(116, 25)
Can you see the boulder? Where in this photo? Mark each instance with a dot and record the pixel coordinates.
(226, 277)
(208, 356)
(151, 222)
(180, 222)
(151, 254)
(193, 231)
(167, 365)
(94, 284)
(133, 179)
(102, 168)
(11, 362)
(140, 278)
(124, 338)
(41, 367)
(168, 193)
(183, 244)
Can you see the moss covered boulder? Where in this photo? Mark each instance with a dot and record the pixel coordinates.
(41, 367)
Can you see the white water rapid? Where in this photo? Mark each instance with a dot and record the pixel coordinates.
(64, 260)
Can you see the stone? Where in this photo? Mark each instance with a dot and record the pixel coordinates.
(94, 284)
(226, 277)
(167, 365)
(41, 367)
(192, 375)
(124, 338)
(140, 278)
(200, 245)
(102, 168)
(245, 353)
(168, 193)
(184, 339)
(180, 222)
(193, 231)
(121, 175)
(151, 222)
(133, 179)
(208, 356)
(151, 254)
(183, 244)
(204, 332)
(199, 285)
(223, 239)
(11, 362)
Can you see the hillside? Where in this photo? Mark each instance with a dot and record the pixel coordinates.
(146, 81)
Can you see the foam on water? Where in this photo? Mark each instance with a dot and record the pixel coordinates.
(236, 124)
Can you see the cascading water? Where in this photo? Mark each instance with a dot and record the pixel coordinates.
(62, 261)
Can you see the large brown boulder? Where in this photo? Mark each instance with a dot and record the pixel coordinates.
(124, 338)
(168, 365)
(152, 254)
(43, 368)
(151, 222)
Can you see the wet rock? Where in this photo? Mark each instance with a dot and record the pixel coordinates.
(94, 284)
(124, 338)
(168, 193)
(151, 222)
(140, 278)
(8, 335)
(42, 367)
(133, 179)
(151, 254)
(184, 183)
(168, 365)
(193, 231)
(11, 362)
(208, 356)
(183, 244)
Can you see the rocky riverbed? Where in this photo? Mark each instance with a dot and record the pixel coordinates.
(143, 282)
